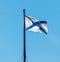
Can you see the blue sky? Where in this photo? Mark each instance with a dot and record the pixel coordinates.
(40, 47)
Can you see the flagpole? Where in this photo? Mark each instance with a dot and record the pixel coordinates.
(24, 45)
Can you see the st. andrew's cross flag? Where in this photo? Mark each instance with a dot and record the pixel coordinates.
(35, 25)
(32, 24)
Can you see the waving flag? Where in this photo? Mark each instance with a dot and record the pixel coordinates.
(32, 24)
(35, 25)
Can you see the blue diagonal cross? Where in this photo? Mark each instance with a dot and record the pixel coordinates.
(37, 24)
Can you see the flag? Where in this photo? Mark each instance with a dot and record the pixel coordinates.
(32, 24)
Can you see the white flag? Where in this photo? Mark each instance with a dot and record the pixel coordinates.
(35, 25)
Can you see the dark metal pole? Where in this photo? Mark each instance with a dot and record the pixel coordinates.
(24, 53)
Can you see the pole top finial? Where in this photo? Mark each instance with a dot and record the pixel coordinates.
(23, 9)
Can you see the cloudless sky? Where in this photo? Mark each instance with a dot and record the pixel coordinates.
(40, 47)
